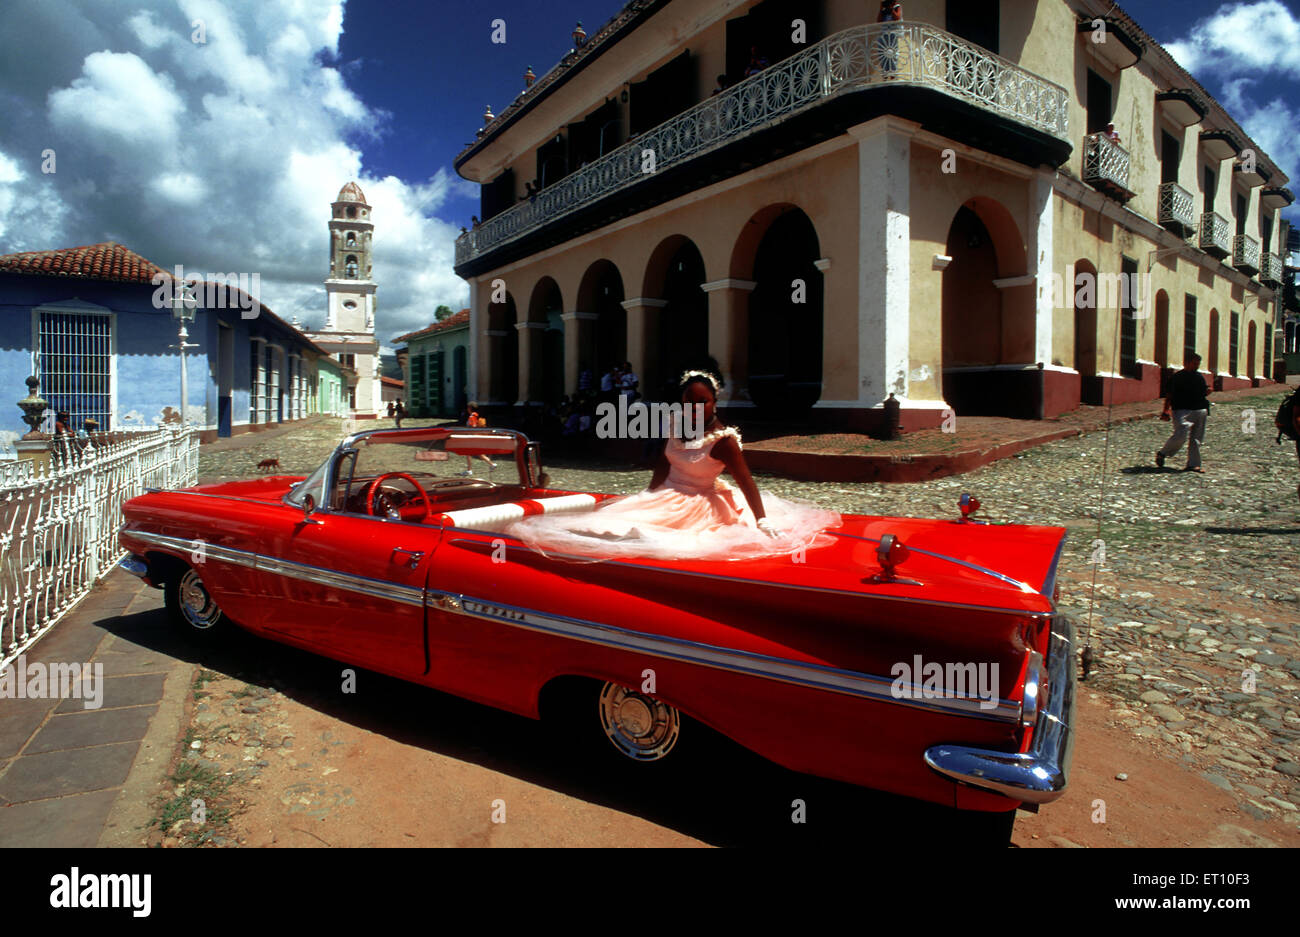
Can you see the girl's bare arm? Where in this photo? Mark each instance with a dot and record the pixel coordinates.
(727, 451)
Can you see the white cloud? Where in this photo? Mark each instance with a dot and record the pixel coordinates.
(1242, 37)
(1250, 52)
(9, 171)
(222, 155)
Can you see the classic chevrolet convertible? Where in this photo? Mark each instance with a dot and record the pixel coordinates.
(921, 657)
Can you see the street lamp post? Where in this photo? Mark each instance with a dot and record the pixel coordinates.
(183, 306)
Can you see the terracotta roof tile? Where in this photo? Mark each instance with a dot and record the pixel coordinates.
(452, 321)
(106, 261)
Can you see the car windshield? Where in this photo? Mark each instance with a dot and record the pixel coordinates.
(378, 473)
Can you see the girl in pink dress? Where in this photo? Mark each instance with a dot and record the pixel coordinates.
(688, 511)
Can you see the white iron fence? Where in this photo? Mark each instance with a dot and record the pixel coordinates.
(58, 528)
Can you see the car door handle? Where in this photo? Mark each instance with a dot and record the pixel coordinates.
(415, 556)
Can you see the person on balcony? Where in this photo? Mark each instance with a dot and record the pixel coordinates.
(887, 42)
(757, 62)
(1112, 134)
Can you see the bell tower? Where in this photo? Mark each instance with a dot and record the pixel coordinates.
(349, 285)
(349, 332)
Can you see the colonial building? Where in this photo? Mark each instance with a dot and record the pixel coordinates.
(349, 332)
(88, 322)
(833, 210)
(435, 361)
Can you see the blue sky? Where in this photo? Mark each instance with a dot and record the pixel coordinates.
(225, 154)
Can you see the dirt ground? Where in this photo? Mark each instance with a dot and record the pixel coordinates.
(398, 765)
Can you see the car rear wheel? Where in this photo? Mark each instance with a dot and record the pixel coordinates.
(192, 606)
(639, 727)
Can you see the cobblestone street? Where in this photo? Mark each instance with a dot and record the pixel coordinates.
(1195, 574)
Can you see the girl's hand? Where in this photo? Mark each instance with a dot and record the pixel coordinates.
(768, 528)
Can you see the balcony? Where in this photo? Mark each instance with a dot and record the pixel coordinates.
(1270, 270)
(1176, 209)
(991, 102)
(1105, 166)
(1245, 254)
(1214, 239)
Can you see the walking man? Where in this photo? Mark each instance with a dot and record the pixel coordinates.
(1188, 401)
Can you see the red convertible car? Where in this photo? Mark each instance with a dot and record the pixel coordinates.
(921, 657)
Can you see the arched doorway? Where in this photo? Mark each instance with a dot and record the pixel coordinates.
(503, 351)
(988, 333)
(1085, 318)
(785, 316)
(1213, 359)
(601, 293)
(459, 379)
(546, 343)
(1161, 353)
(675, 274)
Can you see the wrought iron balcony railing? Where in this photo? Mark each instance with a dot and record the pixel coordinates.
(874, 55)
(1214, 239)
(1176, 212)
(1105, 166)
(1245, 253)
(1270, 269)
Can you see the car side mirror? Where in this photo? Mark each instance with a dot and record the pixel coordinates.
(308, 509)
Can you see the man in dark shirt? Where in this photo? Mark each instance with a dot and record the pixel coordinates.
(1188, 402)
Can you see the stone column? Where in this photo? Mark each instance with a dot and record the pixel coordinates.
(642, 338)
(1042, 257)
(884, 261)
(530, 360)
(579, 346)
(474, 371)
(729, 333)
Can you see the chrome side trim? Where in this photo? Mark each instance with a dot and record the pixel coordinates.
(1049, 582)
(364, 585)
(875, 596)
(784, 670)
(1038, 775)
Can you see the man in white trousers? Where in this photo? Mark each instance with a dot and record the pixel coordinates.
(1188, 405)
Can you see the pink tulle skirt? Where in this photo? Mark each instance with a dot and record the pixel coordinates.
(668, 524)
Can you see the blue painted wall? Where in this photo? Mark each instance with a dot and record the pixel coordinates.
(147, 369)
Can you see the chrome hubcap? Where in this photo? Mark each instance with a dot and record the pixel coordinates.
(196, 605)
(641, 727)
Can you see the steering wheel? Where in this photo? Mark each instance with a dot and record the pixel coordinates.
(371, 494)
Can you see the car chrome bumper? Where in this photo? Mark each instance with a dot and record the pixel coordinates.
(1038, 775)
(134, 565)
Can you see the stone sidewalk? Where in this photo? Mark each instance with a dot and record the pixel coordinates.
(77, 777)
(932, 454)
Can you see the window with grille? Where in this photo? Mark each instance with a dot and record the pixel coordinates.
(75, 360)
(254, 380)
(1232, 344)
(1189, 326)
(271, 387)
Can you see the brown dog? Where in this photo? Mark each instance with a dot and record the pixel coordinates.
(267, 464)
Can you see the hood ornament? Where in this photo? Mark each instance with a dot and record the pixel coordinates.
(891, 553)
(968, 504)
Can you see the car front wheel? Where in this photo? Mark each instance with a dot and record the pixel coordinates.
(192, 606)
